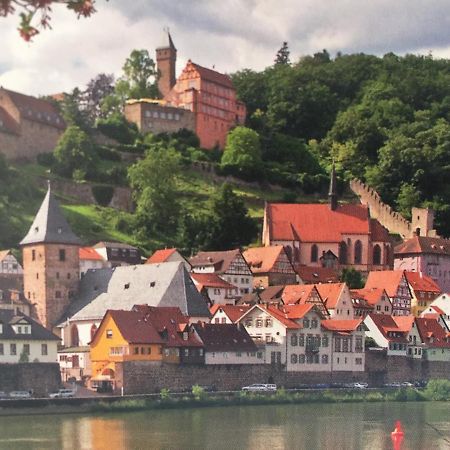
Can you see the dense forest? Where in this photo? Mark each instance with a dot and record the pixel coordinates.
(385, 120)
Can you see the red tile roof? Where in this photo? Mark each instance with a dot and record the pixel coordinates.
(212, 75)
(420, 282)
(210, 280)
(295, 312)
(341, 325)
(271, 294)
(377, 232)
(316, 274)
(234, 312)
(280, 315)
(404, 323)
(316, 222)
(36, 109)
(423, 244)
(432, 333)
(387, 279)
(297, 293)
(371, 295)
(160, 256)
(220, 260)
(263, 259)
(88, 253)
(330, 293)
(386, 324)
(7, 123)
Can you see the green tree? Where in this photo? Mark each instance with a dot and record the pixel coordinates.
(141, 75)
(75, 153)
(73, 112)
(242, 154)
(282, 56)
(228, 223)
(352, 277)
(154, 181)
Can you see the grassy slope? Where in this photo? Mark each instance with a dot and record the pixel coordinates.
(93, 223)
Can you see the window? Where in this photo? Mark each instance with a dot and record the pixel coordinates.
(324, 359)
(294, 358)
(74, 336)
(309, 359)
(1, 349)
(316, 359)
(386, 308)
(12, 349)
(294, 340)
(149, 350)
(62, 254)
(93, 330)
(314, 323)
(377, 255)
(301, 340)
(358, 361)
(224, 320)
(314, 253)
(44, 349)
(378, 307)
(259, 323)
(57, 275)
(358, 252)
(19, 330)
(68, 276)
(343, 253)
(109, 334)
(358, 344)
(248, 322)
(238, 354)
(136, 350)
(33, 255)
(268, 322)
(306, 323)
(301, 359)
(325, 341)
(216, 320)
(26, 349)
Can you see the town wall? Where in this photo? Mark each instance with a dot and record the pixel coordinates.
(148, 377)
(41, 378)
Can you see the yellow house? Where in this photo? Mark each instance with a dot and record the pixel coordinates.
(122, 336)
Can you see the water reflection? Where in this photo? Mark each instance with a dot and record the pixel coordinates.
(327, 427)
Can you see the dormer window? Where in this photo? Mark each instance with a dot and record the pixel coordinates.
(126, 286)
(152, 284)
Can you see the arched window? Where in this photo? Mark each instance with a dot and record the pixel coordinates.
(288, 252)
(358, 252)
(314, 253)
(93, 330)
(376, 255)
(342, 253)
(74, 339)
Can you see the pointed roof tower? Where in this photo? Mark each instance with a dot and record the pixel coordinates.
(332, 193)
(166, 41)
(49, 225)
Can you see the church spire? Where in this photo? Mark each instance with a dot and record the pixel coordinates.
(49, 225)
(332, 193)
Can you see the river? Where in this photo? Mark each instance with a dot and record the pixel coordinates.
(344, 426)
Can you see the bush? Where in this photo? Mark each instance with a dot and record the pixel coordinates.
(103, 194)
(108, 153)
(119, 129)
(438, 390)
(45, 159)
(164, 394)
(198, 392)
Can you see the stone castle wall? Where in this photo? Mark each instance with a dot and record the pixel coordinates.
(390, 219)
(138, 377)
(42, 378)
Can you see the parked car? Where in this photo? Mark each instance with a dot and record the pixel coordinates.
(395, 384)
(407, 384)
(271, 387)
(20, 394)
(63, 393)
(359, 385)
(257, 387)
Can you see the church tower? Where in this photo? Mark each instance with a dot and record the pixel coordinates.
(50, 262)
(166, 58)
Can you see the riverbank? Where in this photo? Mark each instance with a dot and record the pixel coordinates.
(437, 390)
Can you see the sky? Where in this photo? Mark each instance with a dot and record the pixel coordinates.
(228, 35)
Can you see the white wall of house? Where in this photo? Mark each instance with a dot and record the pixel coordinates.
(222, 296)
(344, 306)
(84, 332)
(243, 282)
(351, 360)
(437, 354)
(74, 364)
(234, 357)
(86, 264)
(9, 264)
(37, 352)
(374, 332)
(220, 317)
(415, 346)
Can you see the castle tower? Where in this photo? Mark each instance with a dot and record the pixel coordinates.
(50, 262)
(332, 193)
(166, 58)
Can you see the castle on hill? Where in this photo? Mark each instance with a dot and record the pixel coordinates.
(200, 99)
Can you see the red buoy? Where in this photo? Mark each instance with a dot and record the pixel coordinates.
(397, 435)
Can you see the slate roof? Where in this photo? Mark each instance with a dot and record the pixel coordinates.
(423, 244)
(316, 222)
(49, 225)
(165, 284)
(38, 332)
(220, 337)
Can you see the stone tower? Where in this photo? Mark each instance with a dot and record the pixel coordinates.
(166, 58)
(50, 262)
